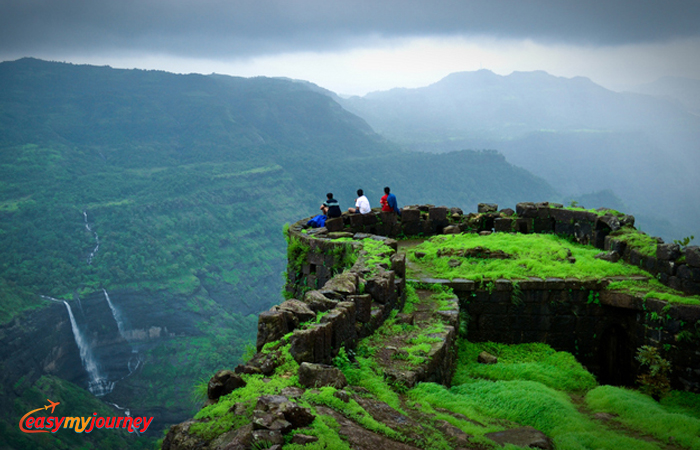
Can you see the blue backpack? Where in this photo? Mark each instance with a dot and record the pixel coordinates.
(317, 222)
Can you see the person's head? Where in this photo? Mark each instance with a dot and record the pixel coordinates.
(329, 196)
(360, 193)
(387, 190)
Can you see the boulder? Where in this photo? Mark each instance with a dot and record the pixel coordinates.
(363, 307)
(410, 215)
(438, 214)
(279, 407)
(300, 310)
(611, 221)
(222, 383)
(179, 437)
(344, 284)
(318, 302)
(335, 224)
(487, 208)
(312, 344)
(692, 256)
(272, 325)
(398, 264)
(452, 229)
(342, 320)
(381, 287)
(611, 256)
(303, 439)
(669, 252)
(526, 210)
(487, 358)
(320, 375)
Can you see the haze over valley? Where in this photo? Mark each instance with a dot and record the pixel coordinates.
(151, 154)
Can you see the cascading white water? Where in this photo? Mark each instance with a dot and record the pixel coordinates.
(97, 239)
(97, 384)
(117, 316)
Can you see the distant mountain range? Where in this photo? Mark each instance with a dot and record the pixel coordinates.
(685, 91)
(580, 137)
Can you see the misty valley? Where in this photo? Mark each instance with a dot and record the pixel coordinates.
(142, 214)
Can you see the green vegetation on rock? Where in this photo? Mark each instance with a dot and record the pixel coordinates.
(531, 255)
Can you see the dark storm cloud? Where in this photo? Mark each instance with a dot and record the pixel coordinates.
(215, 28)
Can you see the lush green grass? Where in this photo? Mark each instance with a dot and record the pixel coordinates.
(218, 418)
(636, 239)
(531, 385)
(351, 409)
(676, 420)
(535, 362)
(527, 403)
(654, 289)
(533, 255)
(378, 253)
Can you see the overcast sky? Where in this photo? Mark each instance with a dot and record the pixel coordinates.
(353, 47)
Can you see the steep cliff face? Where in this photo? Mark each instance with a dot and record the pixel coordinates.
(117, 337)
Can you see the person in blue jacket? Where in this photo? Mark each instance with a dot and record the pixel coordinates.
(389, 202)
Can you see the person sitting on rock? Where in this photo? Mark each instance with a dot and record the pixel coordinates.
(331, 207)
(389, 203)
(361, 204)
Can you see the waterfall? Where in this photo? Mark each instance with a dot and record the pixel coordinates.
(97, 239)
(135, 361)
(97, 384)
(117, 316)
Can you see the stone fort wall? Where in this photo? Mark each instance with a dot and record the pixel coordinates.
(602, 328)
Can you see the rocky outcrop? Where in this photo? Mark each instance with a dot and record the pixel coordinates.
(320, 375)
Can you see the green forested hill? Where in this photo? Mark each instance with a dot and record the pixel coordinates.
(185, 182)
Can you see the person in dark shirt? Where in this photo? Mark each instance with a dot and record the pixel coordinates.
(331, 207)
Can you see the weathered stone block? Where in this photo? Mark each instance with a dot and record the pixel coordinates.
(410, 215)
(398, 264)
(363, 307)
(344, 284)
(524, 226)
(564, 228)
(356, 221)
(487, 207)
(543, 225)
(526, 210)
(503, 225)
(272, 325)
(692, 255)
(318, 302)
(342, 320)
(299, 309)
(223, 383)
(312, 344)
(370, 218)
(381, 287)
(554, 283)
(334, 224)
(486, 358)
(320, 375)
(609, 221)
(669, 252)
(413, 228)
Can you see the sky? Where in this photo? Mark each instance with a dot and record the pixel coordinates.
(355, 47)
